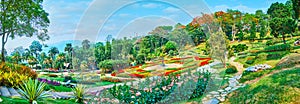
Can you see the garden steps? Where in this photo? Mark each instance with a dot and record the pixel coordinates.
(4, 91)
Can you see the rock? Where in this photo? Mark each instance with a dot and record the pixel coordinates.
(212, 101)
(233, 82)
(13, 92)
(223, 95)
(214, 93)
(4, 91)
(228, 88)
(222, 99)
(221, 91)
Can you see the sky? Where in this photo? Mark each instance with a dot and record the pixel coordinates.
(96, 19)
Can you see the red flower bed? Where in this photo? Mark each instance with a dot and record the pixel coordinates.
(198, 58)
(167, 73)
(136, 75)
(140, 70)
(113, 74)
(203, 63)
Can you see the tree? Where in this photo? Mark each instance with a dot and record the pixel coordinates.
(22, 18)
(85, 44)
(108, 50)
(252, 32)
(52, 52)
(20, 49)
(35, 48)
(281, 21)
(296, 8)
(263, 29)
(16, 57)
(218, 45)
(69, 50)
(170, 45)
(99, 52)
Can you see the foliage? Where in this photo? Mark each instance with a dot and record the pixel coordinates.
(239, 48)
(13, 74)
(111, 65)
(280, 47)
(277, 88)
(79, 92)
(281, 21)
(164, 90)
(32, 90)
(35, 47)
(23, 18)
(231, 70)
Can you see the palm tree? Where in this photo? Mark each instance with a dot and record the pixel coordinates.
(69, 50)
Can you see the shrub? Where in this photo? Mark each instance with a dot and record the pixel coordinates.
(79, 92)
(251, 61)
(13, 74)
(32, 90)
(281, 47)
(239, 48)
(111, 65)
(231, 70)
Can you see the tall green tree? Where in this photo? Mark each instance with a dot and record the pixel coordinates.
(252, 31)
(281, 21)
(85, 44)
(35, 48)
(69, 50)
(52, 52)
(22, 18)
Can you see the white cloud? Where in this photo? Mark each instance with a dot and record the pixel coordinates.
(171, 10)
(150, 5)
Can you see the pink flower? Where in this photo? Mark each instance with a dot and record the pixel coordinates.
(138, 94)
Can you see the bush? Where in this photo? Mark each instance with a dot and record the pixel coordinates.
(111, 65)
(281, 47)
(79, 92)
(12, 75)
(231, 70)
(251, 61)
(239, 48)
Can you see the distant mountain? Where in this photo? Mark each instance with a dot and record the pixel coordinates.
(61, 45)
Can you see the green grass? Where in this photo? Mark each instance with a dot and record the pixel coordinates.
(7, 100)
(279, 88)
(60, 88)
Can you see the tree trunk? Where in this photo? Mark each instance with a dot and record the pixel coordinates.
(3, 49)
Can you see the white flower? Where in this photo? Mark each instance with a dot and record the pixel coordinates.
(132, 96)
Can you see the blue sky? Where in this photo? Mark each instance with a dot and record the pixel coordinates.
(95, 19)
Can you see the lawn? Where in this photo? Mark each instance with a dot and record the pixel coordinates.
(283, 87)
(7, 100)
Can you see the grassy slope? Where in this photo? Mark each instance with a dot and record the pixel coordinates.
(283, 87)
